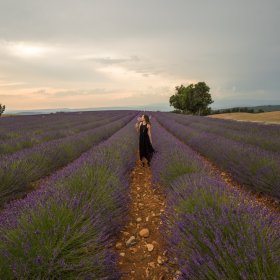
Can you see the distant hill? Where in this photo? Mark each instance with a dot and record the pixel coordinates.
(267, 108)
(150, 107)
(248, 109)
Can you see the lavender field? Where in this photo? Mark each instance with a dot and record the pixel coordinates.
(63, 229)
(215, 232)
(19, 169)
(250, 152)
(66, 227)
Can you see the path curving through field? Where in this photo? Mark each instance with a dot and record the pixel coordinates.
(140, 245)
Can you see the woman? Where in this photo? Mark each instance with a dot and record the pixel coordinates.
(146, 149)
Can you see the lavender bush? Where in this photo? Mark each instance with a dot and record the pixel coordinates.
(14, 124)
(212, 230)
(216, 234)
(66, 228)
(249, 165)
(20, 169)
(266, 136)
(173, 158)
(26, 136)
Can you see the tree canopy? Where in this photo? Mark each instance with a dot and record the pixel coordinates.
(193, 99)
(2, 109)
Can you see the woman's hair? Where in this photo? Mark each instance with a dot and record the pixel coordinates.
(147, 119)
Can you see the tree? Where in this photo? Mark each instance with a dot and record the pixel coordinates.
(2, 109)
(193, 99)
(177, 100)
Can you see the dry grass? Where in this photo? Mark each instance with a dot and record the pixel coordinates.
(267, 117)
(7, 115)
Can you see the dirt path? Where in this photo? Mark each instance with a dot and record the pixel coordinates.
(141, 248)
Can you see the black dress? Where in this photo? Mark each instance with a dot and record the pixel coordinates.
(145, 146)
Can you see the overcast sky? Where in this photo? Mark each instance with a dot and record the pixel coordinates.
(88, 53)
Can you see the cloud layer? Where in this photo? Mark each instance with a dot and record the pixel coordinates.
(103, 53)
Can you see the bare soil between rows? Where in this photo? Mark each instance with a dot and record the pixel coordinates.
(140, 244)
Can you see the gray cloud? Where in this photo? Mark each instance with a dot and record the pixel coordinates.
(80, 92)
(234, 46)
(109, 60)
(134, 63)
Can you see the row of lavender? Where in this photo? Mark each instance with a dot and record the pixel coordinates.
(250, 165)
(258, 134)
(13, 124)
(213, 231)
(30, 133)
(18, 170)
(66, 229)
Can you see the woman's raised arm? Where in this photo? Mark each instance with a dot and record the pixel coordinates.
(137, 126)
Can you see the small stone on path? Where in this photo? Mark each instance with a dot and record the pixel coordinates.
(131, 241)
(150, 247)
(118, 245)
(144, 232)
